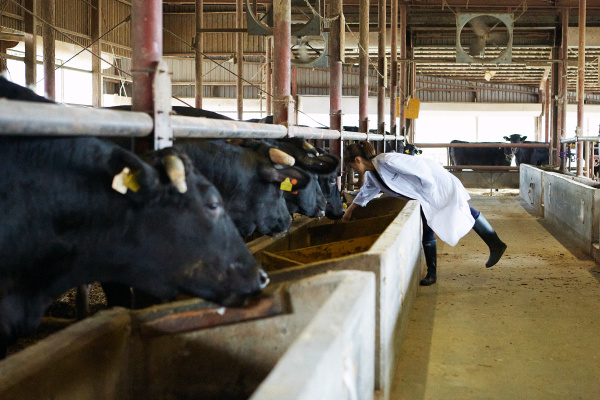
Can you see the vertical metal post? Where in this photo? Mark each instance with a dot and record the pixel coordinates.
(412, 91)
(381, 66)
(146, 33)
(96, 32)
(553, 94)
(547, 136)
(239, 23)
(295, 93)
(363, 76)
(563, 89)
(393, 67)
(49, 15)
(282, 20)
(269, 75)
(199, 49)
(580, 83)
(30, 43)
(403, 70)
(335, 80)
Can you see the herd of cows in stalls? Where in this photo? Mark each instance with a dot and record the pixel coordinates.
(77, 210)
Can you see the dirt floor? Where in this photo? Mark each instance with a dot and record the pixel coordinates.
(525, 329)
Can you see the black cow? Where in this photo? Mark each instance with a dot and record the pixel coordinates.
(249, 182)
(322, 194)
(478, 155)
(528, 155)
(408, 148)
(64, 225)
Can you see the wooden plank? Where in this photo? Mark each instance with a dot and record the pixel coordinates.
(259, 307)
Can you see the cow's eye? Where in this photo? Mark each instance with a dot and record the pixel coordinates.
(214, 206)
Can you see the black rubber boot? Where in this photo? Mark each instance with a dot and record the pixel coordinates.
(486, 232)
(430, 250)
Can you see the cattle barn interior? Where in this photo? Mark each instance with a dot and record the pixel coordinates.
(504, 94)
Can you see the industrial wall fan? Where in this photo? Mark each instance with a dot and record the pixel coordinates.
(484, 38)
(309, 42)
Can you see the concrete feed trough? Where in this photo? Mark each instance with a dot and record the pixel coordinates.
(384, 238)
(320, 347)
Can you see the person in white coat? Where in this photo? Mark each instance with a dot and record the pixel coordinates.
(445, 210)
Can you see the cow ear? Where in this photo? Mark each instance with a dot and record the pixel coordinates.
(323, 164)
(130, 172)
(286, 176)
(506, 138)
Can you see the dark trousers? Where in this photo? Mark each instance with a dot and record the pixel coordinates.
(428, 232)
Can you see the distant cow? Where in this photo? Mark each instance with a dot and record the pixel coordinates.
(76, 210)
(478, 155)
(528, 155)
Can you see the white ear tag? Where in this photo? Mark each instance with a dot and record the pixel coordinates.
(118, 182)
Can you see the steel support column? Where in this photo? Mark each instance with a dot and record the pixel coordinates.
(146, 33)
(96, 32)
(381, 67)
(393, 67)
(199, 49)
(562, 87)
(335, 80)
(49, 15)
(363, 76)
(30, 43)
(403, 70)
(295, 93)
(282, 20)
(581, 85)
(239, 23)
(269, 75)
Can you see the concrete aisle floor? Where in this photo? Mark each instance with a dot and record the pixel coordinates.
(528, 328)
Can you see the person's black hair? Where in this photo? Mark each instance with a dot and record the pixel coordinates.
(362, 149)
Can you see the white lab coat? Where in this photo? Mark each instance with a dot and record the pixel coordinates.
(443, 198)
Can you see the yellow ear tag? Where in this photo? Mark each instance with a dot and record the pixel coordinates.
(131, 181)
(286, 185)
(125, 180)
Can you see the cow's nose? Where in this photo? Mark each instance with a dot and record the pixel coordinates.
(263, 279)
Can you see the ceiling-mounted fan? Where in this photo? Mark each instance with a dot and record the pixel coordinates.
(487, 38)
(308, 41)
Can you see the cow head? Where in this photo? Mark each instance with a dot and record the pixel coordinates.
(252, 185)
(219, 267)
(408, 148)
(514, 138)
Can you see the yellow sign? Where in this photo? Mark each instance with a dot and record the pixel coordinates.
(411, 111)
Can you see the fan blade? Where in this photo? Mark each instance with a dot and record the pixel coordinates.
(498, 38)
(303, 52)
(480, 28)
(477, 47)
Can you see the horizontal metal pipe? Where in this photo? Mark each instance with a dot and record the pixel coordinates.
(193, 127)
(424, 145)
(347, 135)
(45, 119)
(483, 167)
(581, 139)
(313, 133)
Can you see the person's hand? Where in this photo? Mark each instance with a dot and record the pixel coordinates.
(347, 214)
